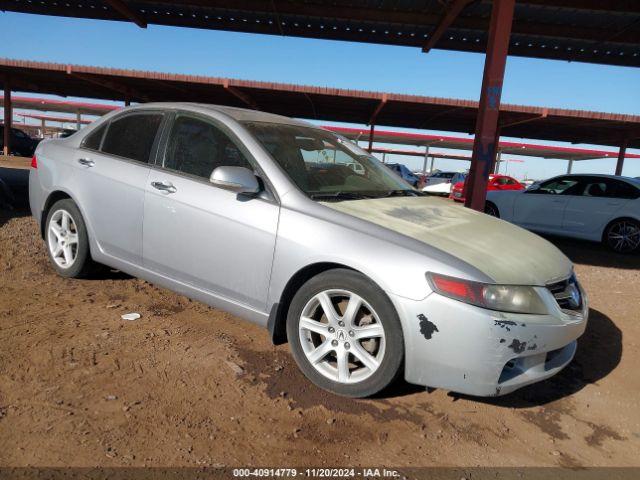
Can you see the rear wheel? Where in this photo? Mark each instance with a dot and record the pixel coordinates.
(491, 209)
(67, 240)
(345, 334)
(623, 236)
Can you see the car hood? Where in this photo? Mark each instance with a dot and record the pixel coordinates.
(502, 251)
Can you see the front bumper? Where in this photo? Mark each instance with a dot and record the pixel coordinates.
(471, 350)
(457, 196)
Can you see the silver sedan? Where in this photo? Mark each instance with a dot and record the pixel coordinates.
(302, 232)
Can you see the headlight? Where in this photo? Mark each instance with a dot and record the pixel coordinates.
(504, 298)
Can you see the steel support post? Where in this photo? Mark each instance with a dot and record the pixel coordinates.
(8, 114)
(496, 168)
(484, 145)
(621, 154)
(569, 166)
(426, 159)
(371, 132)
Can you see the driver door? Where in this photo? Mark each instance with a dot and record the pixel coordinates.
(210, 239)
(543, 209)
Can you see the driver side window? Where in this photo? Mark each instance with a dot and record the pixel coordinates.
(196, 147)
(557, 186)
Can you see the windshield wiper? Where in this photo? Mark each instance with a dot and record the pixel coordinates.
(403, 193)
(339, 196)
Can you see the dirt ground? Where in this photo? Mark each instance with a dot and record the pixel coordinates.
(187, 385)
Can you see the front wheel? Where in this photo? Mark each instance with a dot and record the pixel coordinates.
(491, 210)
(345, 334)
(623, 236)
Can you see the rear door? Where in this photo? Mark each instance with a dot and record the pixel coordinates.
(112, 167)
(543, 208)
(595, 205)
(203, 236)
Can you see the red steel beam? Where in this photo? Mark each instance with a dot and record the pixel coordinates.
(484, 145)
(621, 153)
(372, 120)
(109, 84)
(8, 114)
(454, 8)
(53, 118)
(239, 94)
(544, 114)
(123, 9)
(379, 107)
(414, 153)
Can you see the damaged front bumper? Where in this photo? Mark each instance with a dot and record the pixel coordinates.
(471, 350)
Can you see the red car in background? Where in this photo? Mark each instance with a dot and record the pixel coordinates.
(496, 182)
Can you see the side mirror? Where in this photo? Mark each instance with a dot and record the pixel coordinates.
(236, 179)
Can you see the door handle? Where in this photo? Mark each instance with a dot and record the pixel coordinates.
(87, 162)
(166, 187)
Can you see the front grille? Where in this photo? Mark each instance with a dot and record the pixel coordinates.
(567, 294)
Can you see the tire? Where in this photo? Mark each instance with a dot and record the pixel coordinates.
(491, 209)
(622, 235)
(369, 348)
(69, 250)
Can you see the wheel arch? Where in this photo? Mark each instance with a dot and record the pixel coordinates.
(53, 197)
(617, 219)
(276, 323)
(494, 205)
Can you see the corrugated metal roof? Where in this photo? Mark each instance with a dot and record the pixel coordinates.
(53, 105)
(321, 103)
(458, 143)
(594, 31)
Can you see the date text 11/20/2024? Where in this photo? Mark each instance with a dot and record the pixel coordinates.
(316, 472)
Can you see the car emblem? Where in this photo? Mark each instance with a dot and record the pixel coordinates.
(341, 335)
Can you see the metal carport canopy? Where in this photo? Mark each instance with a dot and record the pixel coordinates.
(458, 143)
(54, 105)
(596, 31)
(320, 103)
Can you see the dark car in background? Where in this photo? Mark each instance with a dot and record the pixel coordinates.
(406, 174)
(21, 143)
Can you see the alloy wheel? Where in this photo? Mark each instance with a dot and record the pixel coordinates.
(624, 236)
(492, 211)
(342, 336)
(62, 239)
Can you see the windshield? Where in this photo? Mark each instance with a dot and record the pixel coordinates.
(324, 165)
(443, 175)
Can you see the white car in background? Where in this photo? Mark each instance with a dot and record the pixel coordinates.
(440, 183)
(601, 208)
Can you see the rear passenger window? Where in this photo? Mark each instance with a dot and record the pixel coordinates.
(132, 136)
(197, 148)
(94, 139)
(619, 189)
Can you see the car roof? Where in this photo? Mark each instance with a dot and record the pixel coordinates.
(601, 175)
(238, 114)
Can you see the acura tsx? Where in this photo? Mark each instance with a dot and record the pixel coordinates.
(267, 218)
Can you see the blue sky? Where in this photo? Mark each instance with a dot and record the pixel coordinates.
(330, 63)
